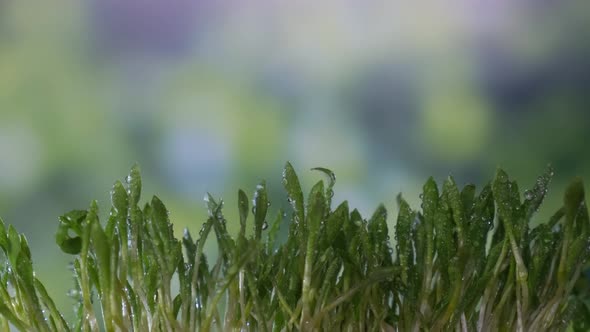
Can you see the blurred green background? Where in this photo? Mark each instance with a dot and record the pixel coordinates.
(215, 95)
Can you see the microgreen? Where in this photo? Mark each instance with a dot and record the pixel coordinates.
(465, 261)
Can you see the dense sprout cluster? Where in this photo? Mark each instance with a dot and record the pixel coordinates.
(464, 261)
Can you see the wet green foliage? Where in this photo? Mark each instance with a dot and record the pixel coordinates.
(466, 261)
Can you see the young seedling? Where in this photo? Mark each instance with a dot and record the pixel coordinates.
(465, 261)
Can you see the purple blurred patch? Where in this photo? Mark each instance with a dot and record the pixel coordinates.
(151, 26)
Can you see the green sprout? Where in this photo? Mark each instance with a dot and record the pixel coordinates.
(465, 261)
